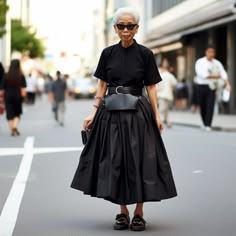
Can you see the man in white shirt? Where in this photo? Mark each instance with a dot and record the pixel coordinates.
(208, 72)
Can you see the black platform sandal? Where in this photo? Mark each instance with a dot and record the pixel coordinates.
(122, 222)
(138, 223)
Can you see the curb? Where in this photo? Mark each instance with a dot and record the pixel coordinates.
(214, 128)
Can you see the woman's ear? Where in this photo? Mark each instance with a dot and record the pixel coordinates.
(136, 29)
(115, 28)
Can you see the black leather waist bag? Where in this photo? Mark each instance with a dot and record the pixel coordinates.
(117, 102)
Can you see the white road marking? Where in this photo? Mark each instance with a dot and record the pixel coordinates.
(197, 171)
(20, 151)
(11, 208)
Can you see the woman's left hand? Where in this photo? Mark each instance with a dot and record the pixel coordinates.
(159, 123)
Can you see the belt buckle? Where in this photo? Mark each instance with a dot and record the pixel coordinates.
(116, 90)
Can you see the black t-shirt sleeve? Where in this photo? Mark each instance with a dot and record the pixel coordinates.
(100, 72)
(152, 75)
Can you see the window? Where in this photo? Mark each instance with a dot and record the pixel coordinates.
(159, 6)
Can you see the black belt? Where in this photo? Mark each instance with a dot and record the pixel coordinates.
(125, 90)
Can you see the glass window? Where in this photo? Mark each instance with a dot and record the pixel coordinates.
(159, 6)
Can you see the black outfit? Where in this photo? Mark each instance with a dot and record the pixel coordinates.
(13, 98)
(30, 97)
(207, 102)
(1, 94)
(181, 91)
(124, 160)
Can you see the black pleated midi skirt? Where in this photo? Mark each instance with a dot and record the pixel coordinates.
(124, 160)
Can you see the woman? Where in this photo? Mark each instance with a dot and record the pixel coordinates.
(14, 88)
(124, 160)
(1, 92)
(165, 91)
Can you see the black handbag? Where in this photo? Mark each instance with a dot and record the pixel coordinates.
(85, 136)
(117, 102)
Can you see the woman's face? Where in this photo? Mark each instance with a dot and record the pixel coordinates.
(126, 34)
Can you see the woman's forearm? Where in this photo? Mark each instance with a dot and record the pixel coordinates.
(152, 95)
(101, 91)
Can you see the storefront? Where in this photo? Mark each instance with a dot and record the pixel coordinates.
(182, 33)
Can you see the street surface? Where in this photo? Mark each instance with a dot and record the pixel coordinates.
(37, 167)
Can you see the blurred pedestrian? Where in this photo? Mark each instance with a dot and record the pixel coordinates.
(181, 95)
(165, 91)
(48, 84)
(40, 85)
(14, 90)
(209, 71)
(59, 90)
(124, 160)
(2, 106)
(194, 97)
(31, 88)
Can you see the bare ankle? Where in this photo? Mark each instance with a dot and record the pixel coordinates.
(138, 213)
(124, 210)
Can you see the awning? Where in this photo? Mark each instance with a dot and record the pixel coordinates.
(172, 38)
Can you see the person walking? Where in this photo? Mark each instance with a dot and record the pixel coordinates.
(208, 73)
(31, 89)
(124, 160)
(2, 106)
(165, 91)
(14, 90)
(194, 103)
(59, 90)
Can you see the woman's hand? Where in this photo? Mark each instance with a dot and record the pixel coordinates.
(88, 121)
(152, 94)
(101, 90)
(159, 123)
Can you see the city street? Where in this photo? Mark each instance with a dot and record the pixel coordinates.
(37, 167)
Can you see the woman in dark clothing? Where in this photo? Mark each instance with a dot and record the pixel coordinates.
(13, 85)
(124, 160)
(1, 91)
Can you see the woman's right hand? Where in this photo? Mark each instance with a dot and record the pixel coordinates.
(88, 121)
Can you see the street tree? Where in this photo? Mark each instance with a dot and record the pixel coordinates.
(3, 11)
(24, 40)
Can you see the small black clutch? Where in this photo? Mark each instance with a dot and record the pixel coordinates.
(85, 136)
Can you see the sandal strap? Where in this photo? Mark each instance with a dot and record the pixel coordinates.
(121, 217)
(137, 219)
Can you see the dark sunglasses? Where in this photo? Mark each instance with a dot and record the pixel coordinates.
(128, 27)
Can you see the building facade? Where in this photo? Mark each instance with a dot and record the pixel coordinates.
(181, 29)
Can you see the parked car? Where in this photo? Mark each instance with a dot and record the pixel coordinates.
(84, 88)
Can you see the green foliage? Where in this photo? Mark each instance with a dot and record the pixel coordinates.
(3, 10)
(24, 40)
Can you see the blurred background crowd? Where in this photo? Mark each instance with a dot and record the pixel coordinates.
(69, 36)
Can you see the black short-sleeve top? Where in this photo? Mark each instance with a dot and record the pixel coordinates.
(133, 66)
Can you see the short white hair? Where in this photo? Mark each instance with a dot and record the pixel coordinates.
(126, 11)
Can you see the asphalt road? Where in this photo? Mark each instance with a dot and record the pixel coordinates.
(36, 170)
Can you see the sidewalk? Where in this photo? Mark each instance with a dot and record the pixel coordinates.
(187, 118)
